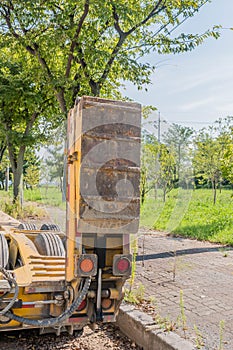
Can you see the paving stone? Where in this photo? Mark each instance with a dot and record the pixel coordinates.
(205, 277)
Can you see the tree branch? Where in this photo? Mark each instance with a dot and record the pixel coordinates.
(75, 39)
(155, 11)
(123, 35)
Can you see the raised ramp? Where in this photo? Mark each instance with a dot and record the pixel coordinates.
(7, 222)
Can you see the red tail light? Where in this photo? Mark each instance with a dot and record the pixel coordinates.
(122, 265)
(82, 305)
(106, 303)
(87, 265)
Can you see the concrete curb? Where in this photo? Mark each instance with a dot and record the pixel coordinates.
(141, 328)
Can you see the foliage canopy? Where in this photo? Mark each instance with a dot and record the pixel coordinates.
(89, 47)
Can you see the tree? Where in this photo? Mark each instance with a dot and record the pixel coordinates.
(227, 161)
(178, 137)
(89, 47)
(32, 176)
(149, 164)
(167, 164)
(25, 110)
(55, 163)
(207, 160)
(226, 140)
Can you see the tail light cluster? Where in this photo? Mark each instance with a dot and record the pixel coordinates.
(87, 265)
(107, 303)
(83, 305)
(122, 265)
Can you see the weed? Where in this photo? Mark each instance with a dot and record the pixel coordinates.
(135, 296)
(152, 300)
(174, 267)
(182, 313)
(16, 211)
(221, 330)
(199, 338)
(224, 251)
(165, 323)
(134, 248)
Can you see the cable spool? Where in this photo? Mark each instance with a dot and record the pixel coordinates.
(4, 252)
(49, 244)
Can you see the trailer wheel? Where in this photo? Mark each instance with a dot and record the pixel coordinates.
(27, 226)
(50, 227)
(49, 244)
(4, 252)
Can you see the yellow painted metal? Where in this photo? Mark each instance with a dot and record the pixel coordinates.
(73, 171)
(36, 267)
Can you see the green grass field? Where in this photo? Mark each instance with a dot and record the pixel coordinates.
(51, 196)
(192, 214)
(185, 212)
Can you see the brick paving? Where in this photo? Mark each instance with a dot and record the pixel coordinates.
(167, 265)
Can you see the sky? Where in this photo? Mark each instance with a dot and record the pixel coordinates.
(195, 88)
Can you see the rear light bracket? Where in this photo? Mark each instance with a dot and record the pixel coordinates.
(90, 259)
(125, 259)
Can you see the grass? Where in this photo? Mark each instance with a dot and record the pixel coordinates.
(192, 214)
(18, 212)
(50, 196)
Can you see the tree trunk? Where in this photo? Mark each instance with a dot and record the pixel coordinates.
(164, 194)
(61, 184)
(17, 174)
(7, 179)
(156, 190)
(61, 100)
(143, 196)
(17, 157)
(215, 190)
(2, 149)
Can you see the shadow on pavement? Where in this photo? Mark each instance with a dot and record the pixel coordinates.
(170, 254)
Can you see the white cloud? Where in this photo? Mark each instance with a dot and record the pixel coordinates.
(196, 104)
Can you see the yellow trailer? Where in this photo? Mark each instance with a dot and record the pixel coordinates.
(62, 282)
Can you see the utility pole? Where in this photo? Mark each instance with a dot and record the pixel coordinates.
(159, 127)
(157, 157)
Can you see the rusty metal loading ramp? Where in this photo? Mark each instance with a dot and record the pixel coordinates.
(104, 164)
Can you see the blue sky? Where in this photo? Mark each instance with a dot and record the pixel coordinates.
(197, 87)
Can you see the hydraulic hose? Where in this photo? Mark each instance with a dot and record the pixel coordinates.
(13, 284)
(47, 322)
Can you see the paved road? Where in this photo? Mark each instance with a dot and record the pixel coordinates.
(203, 272)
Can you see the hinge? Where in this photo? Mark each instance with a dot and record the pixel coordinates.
(72, 158)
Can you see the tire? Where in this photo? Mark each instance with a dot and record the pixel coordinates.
(49, 244)
(64, 241)
(50, 227)
(28, 227)
(4, 251)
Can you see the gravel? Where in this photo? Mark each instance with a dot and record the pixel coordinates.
(104, 337)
